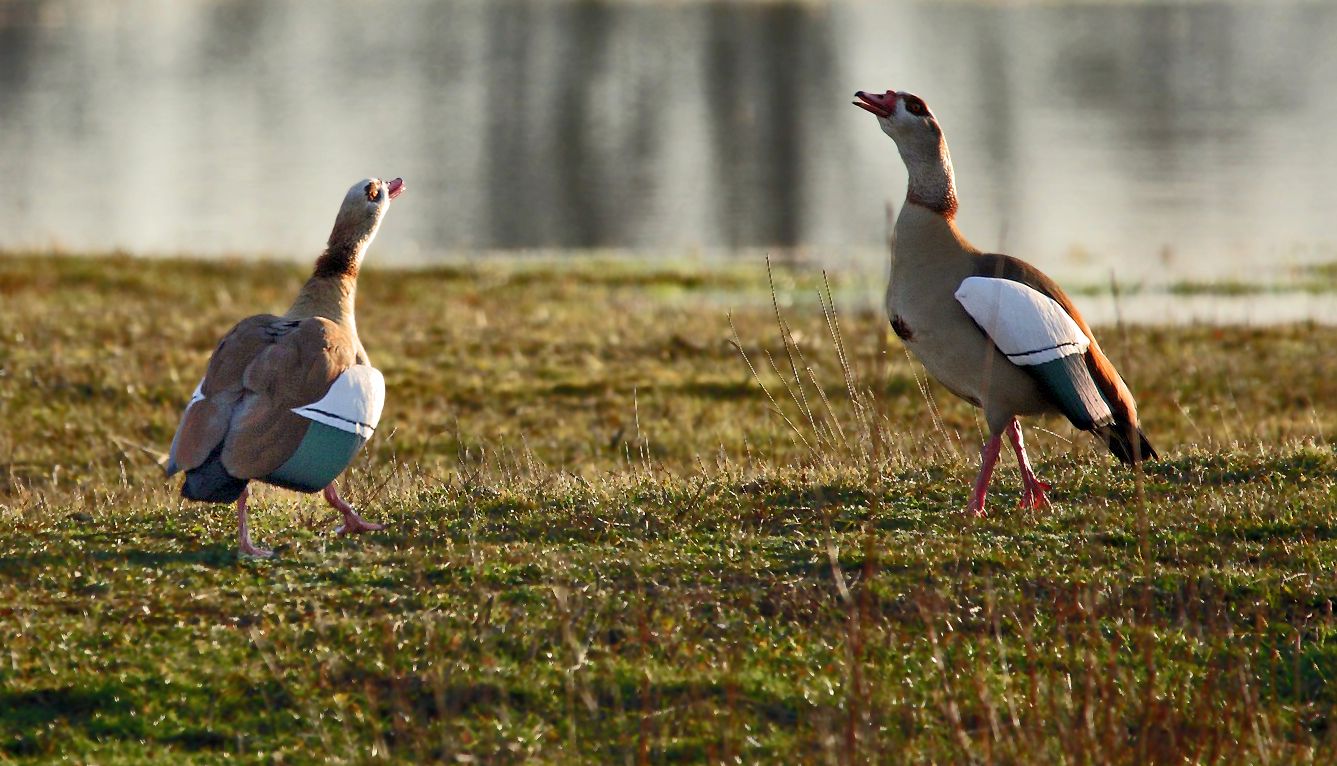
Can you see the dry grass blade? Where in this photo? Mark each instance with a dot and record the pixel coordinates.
(738, 344)
(787, 337)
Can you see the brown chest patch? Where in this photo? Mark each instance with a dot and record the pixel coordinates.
(901, 329)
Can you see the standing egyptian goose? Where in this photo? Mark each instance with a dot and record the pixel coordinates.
(991, 328)
(289, 400)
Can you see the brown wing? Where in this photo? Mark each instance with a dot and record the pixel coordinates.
(1124, 437)
(205, 423)
(297, 369)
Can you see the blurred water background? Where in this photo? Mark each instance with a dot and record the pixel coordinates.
(1148, 142)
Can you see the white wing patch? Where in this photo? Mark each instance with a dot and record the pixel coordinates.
(1028, 326)
(352, 404)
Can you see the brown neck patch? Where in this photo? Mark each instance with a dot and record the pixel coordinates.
(341, 249)
(337, 261)
(944, 206)
(932, 182)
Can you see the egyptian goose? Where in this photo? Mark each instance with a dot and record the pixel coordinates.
(289, 400)
(991, 328)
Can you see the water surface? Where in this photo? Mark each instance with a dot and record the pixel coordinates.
(1133, 139)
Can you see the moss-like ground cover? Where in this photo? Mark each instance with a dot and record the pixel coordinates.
(610, 541)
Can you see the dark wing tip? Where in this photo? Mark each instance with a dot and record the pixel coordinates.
(1128, 443)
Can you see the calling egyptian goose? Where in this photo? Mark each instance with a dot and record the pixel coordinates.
(991, 328)
(289, 400)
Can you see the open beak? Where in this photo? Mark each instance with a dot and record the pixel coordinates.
(396, 187)
(882, 105)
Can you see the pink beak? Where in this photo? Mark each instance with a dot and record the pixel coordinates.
(396, 187)
(882, 105)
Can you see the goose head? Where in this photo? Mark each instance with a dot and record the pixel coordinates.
(906, 118)
(361, 212)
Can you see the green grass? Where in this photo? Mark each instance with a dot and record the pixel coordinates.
(608, 544)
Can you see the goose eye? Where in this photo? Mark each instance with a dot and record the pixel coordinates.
(914, 107)
(373, 191)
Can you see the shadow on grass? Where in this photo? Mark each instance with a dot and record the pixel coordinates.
(24, 715)
(627, 692)
(213, 557)
(31, 721)
(1226, 470)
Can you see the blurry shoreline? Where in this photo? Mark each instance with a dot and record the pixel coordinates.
(738, 277)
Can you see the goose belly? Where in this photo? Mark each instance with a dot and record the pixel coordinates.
(957, 354)
(954, 358)
(341, 422)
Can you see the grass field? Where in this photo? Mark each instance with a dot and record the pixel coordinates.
(610, 541)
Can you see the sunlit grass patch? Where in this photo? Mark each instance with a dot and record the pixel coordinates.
(607, 542)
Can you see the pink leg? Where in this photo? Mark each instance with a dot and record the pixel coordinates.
(353, 523)
(1032, 489)
(988, 458)
(246, 548)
